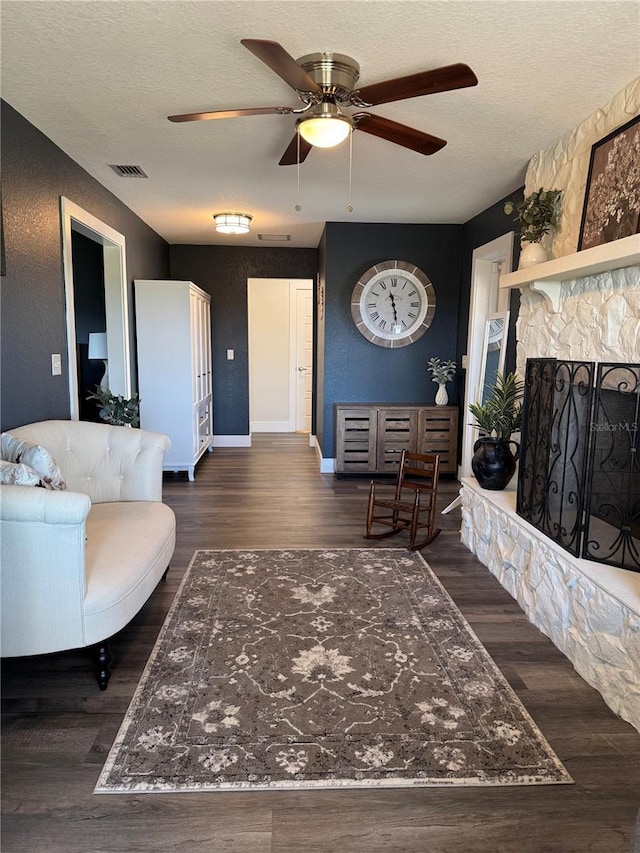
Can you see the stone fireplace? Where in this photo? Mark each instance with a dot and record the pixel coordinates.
(578, 307)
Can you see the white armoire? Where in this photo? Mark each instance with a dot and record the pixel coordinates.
(173, 329)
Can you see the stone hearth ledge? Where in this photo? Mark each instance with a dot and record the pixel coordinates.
(590, 611)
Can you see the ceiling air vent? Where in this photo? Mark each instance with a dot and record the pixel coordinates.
(274, 238)
(128, 171)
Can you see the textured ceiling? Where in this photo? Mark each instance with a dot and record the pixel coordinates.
(100, 78)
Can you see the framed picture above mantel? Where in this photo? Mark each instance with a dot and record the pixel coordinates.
(612, 196)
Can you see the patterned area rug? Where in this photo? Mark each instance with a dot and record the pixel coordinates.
(321, 669)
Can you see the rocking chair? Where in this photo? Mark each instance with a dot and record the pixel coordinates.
(414, 505)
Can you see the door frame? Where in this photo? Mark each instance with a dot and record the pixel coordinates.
(294, 286)
(116, 293)
(489, 262)
(288, 425)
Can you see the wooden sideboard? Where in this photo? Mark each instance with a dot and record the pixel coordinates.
(371, 436)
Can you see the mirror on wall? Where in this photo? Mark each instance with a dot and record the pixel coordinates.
(493, 352)
(113, 316)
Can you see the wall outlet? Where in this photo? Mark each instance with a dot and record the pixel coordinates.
(464, 362)
(56, 364)
(230, 355)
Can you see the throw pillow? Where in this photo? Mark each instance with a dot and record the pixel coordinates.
(13, 449)
(18, 474)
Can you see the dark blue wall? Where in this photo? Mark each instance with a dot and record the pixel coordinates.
(35, 173)
(222, 271)
(357, 371)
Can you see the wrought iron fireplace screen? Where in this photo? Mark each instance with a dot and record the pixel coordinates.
(579, 476)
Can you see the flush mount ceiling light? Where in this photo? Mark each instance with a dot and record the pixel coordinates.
(232, 223)
(325, 127)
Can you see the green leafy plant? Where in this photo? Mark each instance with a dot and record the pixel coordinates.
(501, 414)
(115, 409)
(537, 214)
(441, 371)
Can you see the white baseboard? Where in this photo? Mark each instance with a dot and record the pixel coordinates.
(271, 426)
(232, 441)
(327, 466)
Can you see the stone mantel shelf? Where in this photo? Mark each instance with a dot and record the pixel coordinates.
(547, 278)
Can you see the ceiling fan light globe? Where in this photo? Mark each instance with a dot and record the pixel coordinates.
(232, 223)
(325, 131)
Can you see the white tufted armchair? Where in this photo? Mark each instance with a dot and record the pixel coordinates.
(78, 564)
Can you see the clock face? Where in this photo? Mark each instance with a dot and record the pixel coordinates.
(393, 304)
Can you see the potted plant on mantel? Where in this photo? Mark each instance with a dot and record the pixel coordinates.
(537, 214)
(115, 409)
(493, 463)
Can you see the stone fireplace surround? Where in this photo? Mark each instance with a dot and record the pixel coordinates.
(590, 611)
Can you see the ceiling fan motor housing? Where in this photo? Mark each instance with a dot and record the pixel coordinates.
(335, 73)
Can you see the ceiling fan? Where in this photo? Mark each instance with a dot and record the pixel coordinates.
(325, 83)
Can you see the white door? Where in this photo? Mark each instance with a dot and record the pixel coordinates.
(304, 358)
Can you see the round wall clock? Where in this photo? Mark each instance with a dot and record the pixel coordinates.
(393, 304)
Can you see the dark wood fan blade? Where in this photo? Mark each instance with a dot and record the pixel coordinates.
(290, 156)
(442, 79)
(284, 65)
(253, 111)
(408, 137)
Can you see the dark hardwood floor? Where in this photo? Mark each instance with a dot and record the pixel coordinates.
(58, 727)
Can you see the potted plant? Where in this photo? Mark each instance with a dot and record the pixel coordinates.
(537, 214)
(115, 409)
(441, 372)
(493, 463)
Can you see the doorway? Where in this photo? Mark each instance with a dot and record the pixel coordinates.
(280, 325)
(116, 300)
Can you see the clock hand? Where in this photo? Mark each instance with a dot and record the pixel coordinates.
(393, 305)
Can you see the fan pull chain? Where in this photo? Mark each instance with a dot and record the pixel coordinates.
(298, 205)
(349, 207)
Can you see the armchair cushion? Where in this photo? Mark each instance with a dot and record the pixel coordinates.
(129, 545)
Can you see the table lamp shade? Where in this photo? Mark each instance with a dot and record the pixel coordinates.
(98, 350)
(98, 345)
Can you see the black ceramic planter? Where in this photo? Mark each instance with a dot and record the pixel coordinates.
(493, 463)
